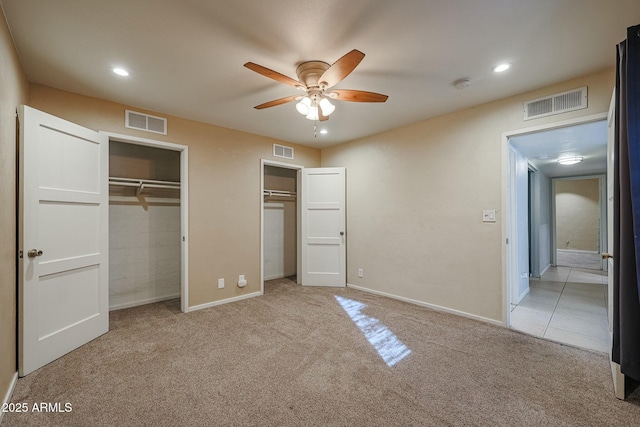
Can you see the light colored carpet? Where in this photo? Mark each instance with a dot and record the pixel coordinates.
(579, 259)
(293, 357)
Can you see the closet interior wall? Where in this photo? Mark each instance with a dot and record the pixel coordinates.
(280, 224)
(144, 226)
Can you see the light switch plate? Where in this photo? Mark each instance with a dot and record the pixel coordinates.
(489, 216)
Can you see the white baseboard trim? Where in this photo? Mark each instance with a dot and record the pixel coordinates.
(524, 294)
(544, 270)
(7, 396)
(578, 251)
(224, 301)
(428, 305)
(142, 302)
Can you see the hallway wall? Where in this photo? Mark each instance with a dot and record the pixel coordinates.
(578, 214)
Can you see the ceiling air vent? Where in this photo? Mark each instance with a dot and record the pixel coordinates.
(145, 122)
(282, 151)
(575, 99)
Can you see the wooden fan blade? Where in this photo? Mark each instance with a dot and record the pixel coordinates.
(322, 117)
(357, 96)
(273, 74)
(341, 68)
(276, 102)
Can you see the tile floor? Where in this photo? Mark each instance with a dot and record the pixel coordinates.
(567, 305)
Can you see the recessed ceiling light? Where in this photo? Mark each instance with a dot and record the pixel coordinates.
(324, 131)
(501, 67)
(120, 71)
(570, 160)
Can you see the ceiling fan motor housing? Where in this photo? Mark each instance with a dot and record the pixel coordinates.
(310, 72)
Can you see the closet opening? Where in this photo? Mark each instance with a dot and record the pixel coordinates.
(147, 223)
(280, 213)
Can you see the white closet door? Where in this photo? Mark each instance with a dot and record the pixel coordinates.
(323, 227)
(63, 235)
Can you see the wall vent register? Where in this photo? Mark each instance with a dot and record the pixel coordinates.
(145, 122)
(563, 102)
(282, 151)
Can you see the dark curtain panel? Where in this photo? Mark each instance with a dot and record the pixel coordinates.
(626, 304)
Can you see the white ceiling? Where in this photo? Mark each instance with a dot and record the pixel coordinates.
(544, 148)
(186, 57)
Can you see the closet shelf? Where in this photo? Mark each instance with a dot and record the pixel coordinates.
(141, 184)
(279, 193)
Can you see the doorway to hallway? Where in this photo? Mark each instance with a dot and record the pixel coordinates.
(559, 301)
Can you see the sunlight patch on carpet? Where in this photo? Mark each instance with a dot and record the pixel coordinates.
(388, 346)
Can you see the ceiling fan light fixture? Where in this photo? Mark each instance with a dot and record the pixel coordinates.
(315, 78)
(304, 106)
(326, 107)
(313, 113)
(570, 160)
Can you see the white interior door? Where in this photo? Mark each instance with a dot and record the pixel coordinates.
(323, 227)
(618, 377)
(63, 238)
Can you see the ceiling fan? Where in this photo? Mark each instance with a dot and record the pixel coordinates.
(315, 78)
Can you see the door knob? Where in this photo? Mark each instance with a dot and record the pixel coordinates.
(34, 253)
(342, 233)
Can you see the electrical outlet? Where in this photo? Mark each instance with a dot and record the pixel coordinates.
(360, 273)
(220, 283)
(241, 281)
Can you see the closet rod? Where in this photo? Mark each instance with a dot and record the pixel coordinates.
(278, 193)
(141, 184)
(117, 180)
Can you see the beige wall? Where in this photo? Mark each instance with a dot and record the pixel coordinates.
(13, 92)
(224, 188)
(578, 214)
(416, 195)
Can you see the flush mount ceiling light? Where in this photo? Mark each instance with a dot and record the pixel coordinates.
(120, 71)
(570, 160)
(315, 78)
(501, 67)
(324, 131)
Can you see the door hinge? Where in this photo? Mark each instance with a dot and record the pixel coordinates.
(507, 240)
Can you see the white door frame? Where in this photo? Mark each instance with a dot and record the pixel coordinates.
(534, 221)
(298, 168)
(506, 285)
(511, 238)
(184, 201)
